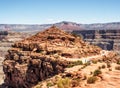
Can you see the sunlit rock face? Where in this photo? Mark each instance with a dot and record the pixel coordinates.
(41, 56)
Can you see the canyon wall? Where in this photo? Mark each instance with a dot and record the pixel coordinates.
(106, 39)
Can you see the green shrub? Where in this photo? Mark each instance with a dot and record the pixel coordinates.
(60, 84)
(49, 84)
(75, 63)
(78, 63)
(91, 80)
(97, 72)
(63, 83)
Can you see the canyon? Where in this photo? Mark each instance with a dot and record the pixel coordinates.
(106, 39)
(42, 50)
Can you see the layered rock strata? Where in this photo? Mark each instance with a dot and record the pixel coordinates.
(41, 56)
(106, 39)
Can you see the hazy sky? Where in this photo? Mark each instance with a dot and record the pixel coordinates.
(51, 11)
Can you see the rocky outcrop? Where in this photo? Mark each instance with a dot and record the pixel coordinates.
(106, 39)
(42, 56)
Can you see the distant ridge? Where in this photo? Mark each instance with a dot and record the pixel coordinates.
(65, 25)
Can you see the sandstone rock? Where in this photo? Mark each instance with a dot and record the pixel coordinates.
(40, 56)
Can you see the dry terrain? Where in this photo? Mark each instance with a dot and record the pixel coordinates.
(78, 75)
(56, 59)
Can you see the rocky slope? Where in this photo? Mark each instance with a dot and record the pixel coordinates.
(106, 39)
(42, 56)
(102, 71)
(93, 75)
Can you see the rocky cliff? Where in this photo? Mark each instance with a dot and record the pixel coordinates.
(42, 56)
(6, 40)
(106, 39)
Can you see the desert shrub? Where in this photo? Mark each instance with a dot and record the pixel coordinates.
(97, 72)
(60, 84)
(103, 66)
(83, 67)
(49, 84)
(99, 67)
(118, 62)
(38, 86)
(70, 65)
(63, 83)
(87, 63)
(94, 61)
(117, 67)
(75, 63)
(91, 80)
(100, 61)
(108, 65)
(78, 63)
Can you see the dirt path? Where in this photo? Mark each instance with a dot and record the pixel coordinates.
(89, 58)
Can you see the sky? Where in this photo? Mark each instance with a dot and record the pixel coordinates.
(52, 11)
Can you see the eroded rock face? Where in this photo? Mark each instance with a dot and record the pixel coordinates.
(41, 56)
(106, 39)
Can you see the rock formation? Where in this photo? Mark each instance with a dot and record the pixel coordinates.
(106, 39)
(41, 56)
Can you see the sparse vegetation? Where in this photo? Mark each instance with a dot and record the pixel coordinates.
(91, 80)
(97, 72)
(75, 63)
(103, 66)
(118, 62)
(49, 84)
(94, 61)
(99, 67)
(83, 67)
(87, 63)
(108, 65)
(63, 83)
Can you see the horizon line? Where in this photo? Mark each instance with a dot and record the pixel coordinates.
(57, 22)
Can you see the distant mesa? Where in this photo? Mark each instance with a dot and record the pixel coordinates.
(65, 25)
